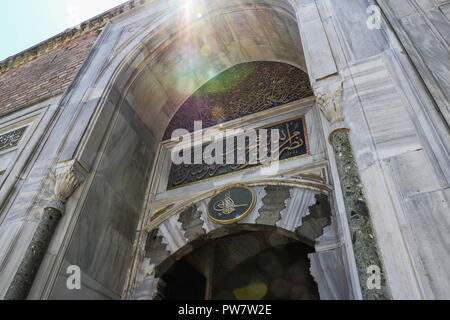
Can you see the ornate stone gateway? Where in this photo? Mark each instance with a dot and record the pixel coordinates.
(281, 217)
(204, 203)
(362, 110)
(292, 201)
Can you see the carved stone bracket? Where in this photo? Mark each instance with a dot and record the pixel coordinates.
(330, 100)
(68, 175)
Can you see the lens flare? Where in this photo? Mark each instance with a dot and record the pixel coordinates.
(256, 291)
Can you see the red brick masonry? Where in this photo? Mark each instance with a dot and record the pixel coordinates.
(46, 74)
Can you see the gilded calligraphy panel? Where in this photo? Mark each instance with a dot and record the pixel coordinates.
(293, 142)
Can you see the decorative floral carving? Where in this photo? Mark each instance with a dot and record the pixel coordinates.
(65, 185)
(331, 103)
(240, 91)
(68, 177)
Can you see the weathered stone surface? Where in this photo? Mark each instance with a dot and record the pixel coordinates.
(23, 280)
(155, 249)
(319, 217)
(424, 31)
(362, 233)
(274, 203)
(192, 223)
(329, 273)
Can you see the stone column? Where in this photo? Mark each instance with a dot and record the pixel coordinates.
(371, 273)
(68, 177)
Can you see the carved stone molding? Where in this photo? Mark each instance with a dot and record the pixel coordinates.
(68, 176)
(330, 101)
(150, 287)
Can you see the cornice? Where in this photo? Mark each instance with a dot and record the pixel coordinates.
(95, 23)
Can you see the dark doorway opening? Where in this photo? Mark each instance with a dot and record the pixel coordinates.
(280, 273)
(184, 282)
(261, 265)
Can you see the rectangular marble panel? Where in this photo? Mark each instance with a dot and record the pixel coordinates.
(360, 42)
(384, 109)
(328, 270)
(90, 289)
(19, 237)
(414, 174)
(432, 51)
(430, 222)
(90, 149)
(126, 164)
(321, 61)
(102, 243)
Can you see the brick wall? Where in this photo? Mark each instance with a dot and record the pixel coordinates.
(46, 74)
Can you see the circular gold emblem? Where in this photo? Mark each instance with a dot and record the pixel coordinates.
(231, 204)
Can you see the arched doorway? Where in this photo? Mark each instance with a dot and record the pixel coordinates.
(250, 259)
(250, 265)
(185, 242)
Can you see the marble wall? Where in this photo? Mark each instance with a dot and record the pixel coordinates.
(102, 242)
(424, 30)
(401, 145)
(138, 73)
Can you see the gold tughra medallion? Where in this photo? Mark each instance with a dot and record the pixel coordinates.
(231, 204)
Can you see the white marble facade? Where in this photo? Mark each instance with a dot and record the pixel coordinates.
(111, 120)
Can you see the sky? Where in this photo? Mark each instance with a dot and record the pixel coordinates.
(25, 23)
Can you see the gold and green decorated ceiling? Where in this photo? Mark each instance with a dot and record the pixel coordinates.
(240, 91)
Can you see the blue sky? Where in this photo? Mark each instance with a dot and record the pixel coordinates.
(24, 23)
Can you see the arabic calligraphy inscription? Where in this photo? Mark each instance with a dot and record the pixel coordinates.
(293, 143)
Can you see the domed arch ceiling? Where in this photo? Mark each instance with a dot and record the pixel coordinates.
(242, 90)
(182, 54)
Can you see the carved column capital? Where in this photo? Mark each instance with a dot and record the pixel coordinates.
(330, 100)
(68, 176)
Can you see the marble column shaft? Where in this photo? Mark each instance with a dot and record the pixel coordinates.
(23, 280)
(363, 237)
(367, 256)
(68, 177)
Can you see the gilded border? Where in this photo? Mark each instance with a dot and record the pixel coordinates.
(307, 154)
(245, 214)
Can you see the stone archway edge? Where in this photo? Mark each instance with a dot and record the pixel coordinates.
(301, 183)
